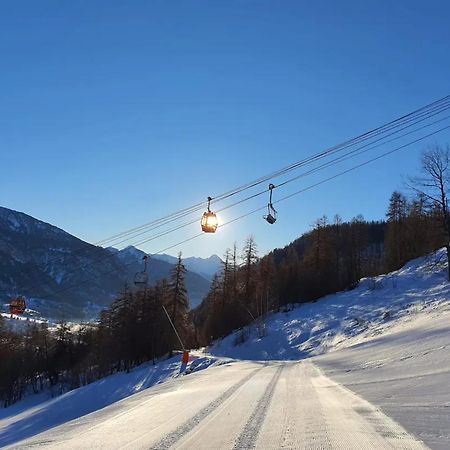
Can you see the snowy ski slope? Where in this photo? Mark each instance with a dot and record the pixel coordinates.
(362, 369)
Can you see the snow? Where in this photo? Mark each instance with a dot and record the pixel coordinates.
(346, 318)
(20, 323)
(238, 405)
(366, 368)
(388, 341)
(37, 413)
(406, 372)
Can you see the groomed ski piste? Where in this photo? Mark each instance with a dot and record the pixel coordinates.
(365, 368)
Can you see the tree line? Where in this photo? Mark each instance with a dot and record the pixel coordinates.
(332, 257)
(134, 329)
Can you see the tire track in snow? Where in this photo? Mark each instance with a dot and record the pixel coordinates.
(304, 426)
(353, 422)
(173, 437)
(248, 436)
(317, 431)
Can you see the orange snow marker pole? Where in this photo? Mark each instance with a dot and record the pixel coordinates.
(185, 357)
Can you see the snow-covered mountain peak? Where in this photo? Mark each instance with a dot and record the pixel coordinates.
(207, 267)
(131, 251)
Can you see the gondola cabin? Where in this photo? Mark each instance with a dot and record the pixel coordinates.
(17, 305)
(209, 221)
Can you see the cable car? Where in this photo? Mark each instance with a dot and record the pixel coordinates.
(209, 220)
(17, 305)
(141, 278)
(271, 211)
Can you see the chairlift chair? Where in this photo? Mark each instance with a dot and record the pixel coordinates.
(271, 216)
(141, 278)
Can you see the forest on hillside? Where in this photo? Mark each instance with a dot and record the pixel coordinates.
(334, 255)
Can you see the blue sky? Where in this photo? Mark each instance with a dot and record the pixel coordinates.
(114, 113)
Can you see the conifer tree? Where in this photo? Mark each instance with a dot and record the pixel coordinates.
(396, 230)
(178, 302)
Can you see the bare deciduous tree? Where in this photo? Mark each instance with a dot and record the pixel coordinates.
(434, 183)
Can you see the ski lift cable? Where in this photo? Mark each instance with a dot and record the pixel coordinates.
(307, 188)
(174, 328)
(328, 164)
(359, 151)
(442, 103)
(341, 158)
(188, 211)
(312, 186)
(171, 216)
(433, 107)
(422, 113)
(369, 135)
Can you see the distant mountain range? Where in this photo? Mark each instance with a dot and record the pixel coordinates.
(65, 277)
(207, 267)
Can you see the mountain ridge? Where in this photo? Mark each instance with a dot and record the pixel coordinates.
(207, 267)
(45, 263)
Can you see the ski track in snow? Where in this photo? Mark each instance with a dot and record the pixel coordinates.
(378, 379)
(182, 430)
(247, 438)
(244, 405)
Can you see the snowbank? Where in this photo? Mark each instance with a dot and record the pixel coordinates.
(37, 413)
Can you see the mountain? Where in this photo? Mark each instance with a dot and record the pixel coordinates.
(65, 277)
(197, 285)
(206, 267)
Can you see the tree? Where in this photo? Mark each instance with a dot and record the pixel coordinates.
(337, 247)
(227, 275)
(433, 183)
(249, 260)
(178, 302)
(397, 213)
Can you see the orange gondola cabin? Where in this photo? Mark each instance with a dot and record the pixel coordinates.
(209, 221)
(17, 305)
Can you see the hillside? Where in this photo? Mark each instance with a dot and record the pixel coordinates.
(387, 341)
(368, 367)
(41, 412)
(346, 318)
(45, 263)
